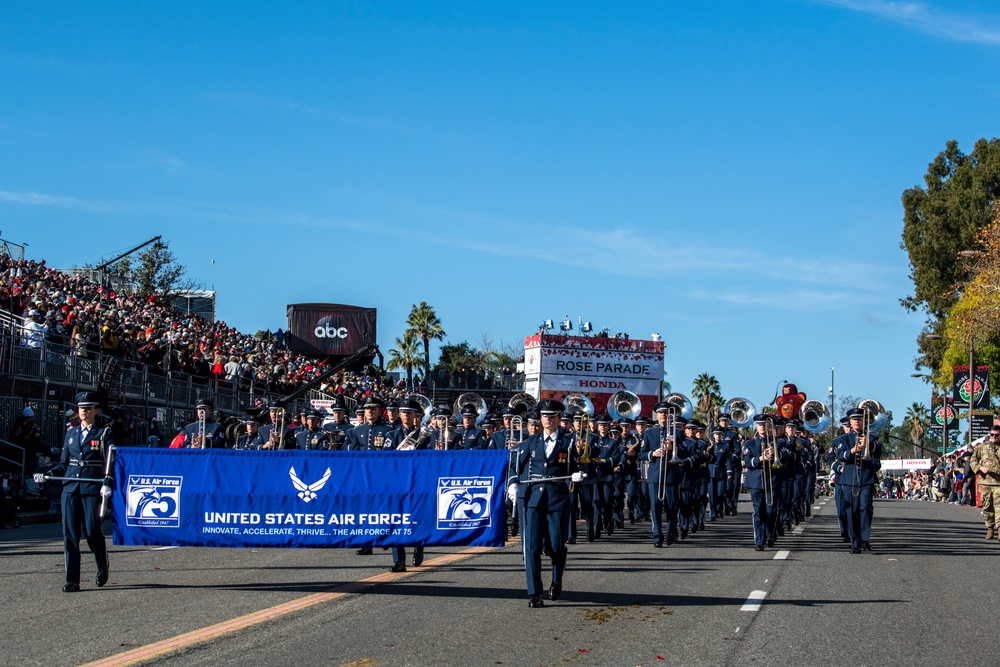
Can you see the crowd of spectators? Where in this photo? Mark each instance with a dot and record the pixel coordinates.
(949, 481)
(86, 319)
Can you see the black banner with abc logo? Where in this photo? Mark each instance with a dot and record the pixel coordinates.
(330, 329)
(975, 390)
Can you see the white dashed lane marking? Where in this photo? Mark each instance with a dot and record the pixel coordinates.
(754, 601)
(781, 555)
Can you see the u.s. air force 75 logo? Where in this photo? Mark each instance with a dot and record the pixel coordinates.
(464, 502)
(153, 500)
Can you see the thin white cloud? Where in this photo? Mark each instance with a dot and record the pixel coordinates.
(261, 104)
(55, 201)
(929, 20)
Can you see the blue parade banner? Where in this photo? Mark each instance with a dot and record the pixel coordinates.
(226, 498)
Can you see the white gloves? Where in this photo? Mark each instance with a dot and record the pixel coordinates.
(512, 492)
(39, 478)
(578, 477)
(105, 492)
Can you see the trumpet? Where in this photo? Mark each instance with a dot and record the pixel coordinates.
(514, 440)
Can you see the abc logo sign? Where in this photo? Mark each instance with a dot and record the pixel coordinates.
(331, 332)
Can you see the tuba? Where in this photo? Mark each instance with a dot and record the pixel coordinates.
(741, 411)
(425, 404)
(476, 401)
(815, 416)
(681, 403)
(522, 403)
(579, 402)
(624, 405)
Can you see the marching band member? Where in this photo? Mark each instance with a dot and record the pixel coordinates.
(734, 465)
(472, 436)
(548, 454)
(759, 455)
(250, 438)
(204, 432)
(836, 468)
(373, 434)
(860, 453)
(340, 424)
(667, 457)
(718, 471)
(626, 470)
(312, 437)
(635, 485)
(607, 459)
(84, 453)
(409, 432)
(582, 495)
(690, 483)
(444, 437)
(271, 436)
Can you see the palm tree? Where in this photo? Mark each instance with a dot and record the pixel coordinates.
(425, 326)
(916, 416)
(405, 356)
(707, 396)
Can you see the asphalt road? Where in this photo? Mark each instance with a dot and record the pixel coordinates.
(918, 599)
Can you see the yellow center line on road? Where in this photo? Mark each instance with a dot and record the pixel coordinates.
(178, 642)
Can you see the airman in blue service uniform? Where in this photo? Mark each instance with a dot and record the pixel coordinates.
(861, 461)
(444, 436)
(312, 437)
(668, 457)
(607, 459)
(340, 424)
(271, 436)
(544, 455)
(409, 431)
(84, 456)
(836, 468)
(718, 472)
(635, 487)
(214, 434)
(505, 439)
(734, 465)
(582, 496)
(250, 437)
(760, 478)
(374, 433)
(473, 437)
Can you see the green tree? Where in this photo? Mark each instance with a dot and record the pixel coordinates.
(458, 356)
(940, 220)
(156, 271)
(424, 324)
(707, 396)
(405, 356)
(915, 425)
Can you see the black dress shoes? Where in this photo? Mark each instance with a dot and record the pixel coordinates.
(102, 578)
(867, 546)
(571, 540)
(759, 547)
(535, 601)
(658, 544)
(555, 590)
(513, 530)
(855, 550)
(364, 551)
(71, 587)
(670, 540)
(398, 567)
(418, 556)
(684, 534)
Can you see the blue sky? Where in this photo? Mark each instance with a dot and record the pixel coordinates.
(727, 174)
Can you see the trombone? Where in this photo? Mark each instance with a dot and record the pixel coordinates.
(667, 443)
(202, 419)
(768, 465)
(514, 440)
